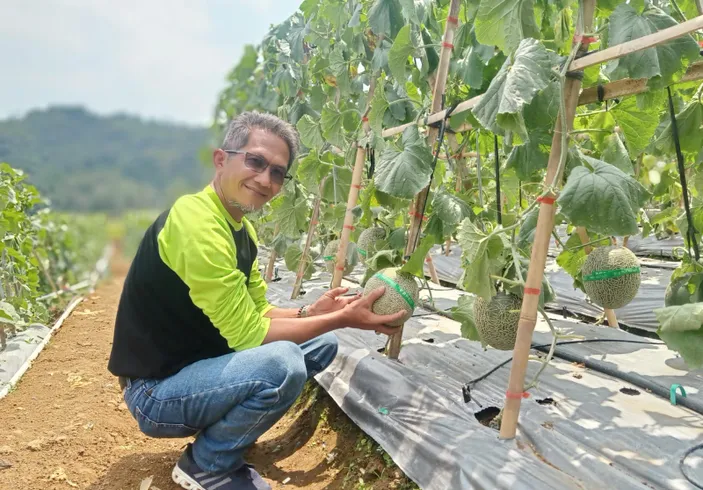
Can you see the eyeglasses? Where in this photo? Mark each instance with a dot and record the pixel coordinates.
(258, 164)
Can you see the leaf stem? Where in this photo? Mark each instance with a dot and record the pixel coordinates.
(507, 281)
(556, 237)
(533, 383)
(678, 10)
(583, 245)
(590, 130)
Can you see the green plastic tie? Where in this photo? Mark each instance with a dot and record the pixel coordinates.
(609, 274)
(329, 257)
(397, 287)
(672, 392)
(361, 252)
(383, 410)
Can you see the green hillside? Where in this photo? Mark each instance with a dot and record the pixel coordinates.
(83, 161)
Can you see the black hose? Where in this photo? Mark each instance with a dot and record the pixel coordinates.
(682, 466)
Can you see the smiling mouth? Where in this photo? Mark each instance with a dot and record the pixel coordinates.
(255, 191)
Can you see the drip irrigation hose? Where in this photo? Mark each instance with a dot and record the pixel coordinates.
(682, 466)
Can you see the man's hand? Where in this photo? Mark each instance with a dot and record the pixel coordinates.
(332, 301)
(358, 314)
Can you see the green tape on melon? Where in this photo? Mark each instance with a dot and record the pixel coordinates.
(610, 274)
(329, 257)
(397, 287)
(361, 252)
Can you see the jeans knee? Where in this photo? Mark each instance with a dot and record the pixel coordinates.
(288, 364)
(329, 345)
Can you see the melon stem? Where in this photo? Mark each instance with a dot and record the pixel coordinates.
(552, 348)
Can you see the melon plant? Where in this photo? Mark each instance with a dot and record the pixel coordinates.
(678, 293)
(402, 293)
(611, 276)
(497, 319)
(370, 241)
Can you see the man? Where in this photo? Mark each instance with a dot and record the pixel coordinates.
(197, 348)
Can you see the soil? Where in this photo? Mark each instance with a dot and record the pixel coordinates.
(66, 426)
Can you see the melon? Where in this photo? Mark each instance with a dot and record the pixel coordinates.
(677, 293)
(611, 276)
(497, 319)
(369, 242)
(402, 293)
(330, 256)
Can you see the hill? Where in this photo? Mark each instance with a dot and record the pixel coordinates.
(87, 162)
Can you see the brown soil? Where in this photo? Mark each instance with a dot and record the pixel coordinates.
(65, 425)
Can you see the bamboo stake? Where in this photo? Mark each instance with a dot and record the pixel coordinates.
(416, 223)
(639, 44)
(303, 263)
(357, 175)
(540, 246)
(610, 314)
(630, 86)
(272, 257)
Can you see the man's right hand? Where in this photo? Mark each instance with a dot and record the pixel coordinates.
(358, 314)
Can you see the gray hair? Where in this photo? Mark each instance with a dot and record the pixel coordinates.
(239, 129)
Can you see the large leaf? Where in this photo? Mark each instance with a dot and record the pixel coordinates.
(385, 17)
(527, 159)
(309, 131)
(404, 173)
(689, 123)
(416, 11)
(380, 55)
(663, 63)
(336, 188)
(680, 328)
(504, 23)
(477, 251)
(520, 78)
(616, 154)
(379, 106)
(291, 213)
(527, 231)
(602, 198)
(292, 260)
(416, 263)
(637, 124)
(449, 208)
(333, 125)
(398, 55)
(463, 313)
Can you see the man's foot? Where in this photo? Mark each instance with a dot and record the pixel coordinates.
(189, 476)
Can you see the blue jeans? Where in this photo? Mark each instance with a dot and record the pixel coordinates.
(227, 402)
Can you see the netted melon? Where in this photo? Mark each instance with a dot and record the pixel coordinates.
(611, 276)
(402, 293)
(497, 319)
(330, 256)
(677, 293)
(369, 241)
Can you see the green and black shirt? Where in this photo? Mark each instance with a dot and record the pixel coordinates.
(193, 291)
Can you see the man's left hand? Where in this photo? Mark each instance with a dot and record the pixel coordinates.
(332, 301)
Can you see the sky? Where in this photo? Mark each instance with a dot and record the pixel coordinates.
(159, 59)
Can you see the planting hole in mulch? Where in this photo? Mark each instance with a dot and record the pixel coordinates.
(629, 391)
(429, 341)
(486, 415)
(547, 401)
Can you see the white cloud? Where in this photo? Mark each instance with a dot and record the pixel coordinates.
(156, 58)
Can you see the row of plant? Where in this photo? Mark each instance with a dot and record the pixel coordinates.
(42, 252)
(328, 62)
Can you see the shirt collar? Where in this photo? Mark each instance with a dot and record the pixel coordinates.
(210, 192)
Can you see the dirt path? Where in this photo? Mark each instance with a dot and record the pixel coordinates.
(65, 425)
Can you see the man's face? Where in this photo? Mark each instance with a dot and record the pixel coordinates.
(243, 187)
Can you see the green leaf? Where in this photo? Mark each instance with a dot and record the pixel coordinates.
(404, 173)
(527, 159)
(380, 56)
(292, 260)
(416, 263)
(309, 131)
(637, 124)
(469, 68)
(379, 105)
(504, 23)
(662, 64)
(8, 312)
(689, 123)
(398, 55)
(680, 328)
(527, 231)
(396, 239)
(476, 246)
(450, 208)
(602, 198)
(336, 188)
(416, 11)
(356, 16)
(333, 125)
(338, 64)
(463, 313)
(385, 17)
(616, 154)
(291, 213)
(521, 77)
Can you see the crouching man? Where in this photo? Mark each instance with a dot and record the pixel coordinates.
(197, 348)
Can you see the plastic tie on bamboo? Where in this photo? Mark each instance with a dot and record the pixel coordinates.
(516, 396)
